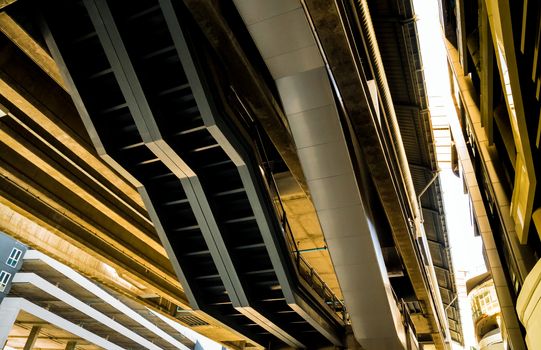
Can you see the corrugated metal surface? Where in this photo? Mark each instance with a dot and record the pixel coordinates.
(394, 23)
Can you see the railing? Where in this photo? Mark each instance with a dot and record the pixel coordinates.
(307, 272)
(303, 268)
(409, 326)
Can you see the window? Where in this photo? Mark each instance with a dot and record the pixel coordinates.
(4, 279)
(14, 257)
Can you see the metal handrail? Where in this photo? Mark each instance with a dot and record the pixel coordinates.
(308, 273)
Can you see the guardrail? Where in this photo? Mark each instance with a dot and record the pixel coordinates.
(303, 268)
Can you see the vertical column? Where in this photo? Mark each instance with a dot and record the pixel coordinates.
(9, 309)
(32, 337)
(71, 345)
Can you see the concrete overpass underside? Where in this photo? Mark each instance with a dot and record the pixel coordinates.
(67, 189)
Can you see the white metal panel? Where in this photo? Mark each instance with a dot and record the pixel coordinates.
(253, 11)
(281, 34)
(334, 192)
(315, 126)
(305, 91)
(324, 160)
(293, 62)
(343, 250)
(342, 222)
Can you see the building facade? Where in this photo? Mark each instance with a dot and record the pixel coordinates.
(51, 306)
(493, 58)
(11, 254)
(486, 312)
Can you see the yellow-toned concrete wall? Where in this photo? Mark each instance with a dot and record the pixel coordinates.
(529, 307)
(536, 218)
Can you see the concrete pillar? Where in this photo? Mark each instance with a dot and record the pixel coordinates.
(8, 314)
(32, 337)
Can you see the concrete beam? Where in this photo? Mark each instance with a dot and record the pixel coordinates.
(487, 67)
(23, 85)
(29, 46)
(102, 295)
(77, 187)
(4, 3)
(50, 231)
(461, 35)
(75, 226)
(81, 306)
(20, 304)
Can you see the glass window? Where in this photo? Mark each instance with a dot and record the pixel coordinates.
(4, 279)
(14, 257)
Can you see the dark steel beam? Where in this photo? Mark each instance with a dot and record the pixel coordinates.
(248, 82)
(145, 120)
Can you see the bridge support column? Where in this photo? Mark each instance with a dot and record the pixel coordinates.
(8, 315)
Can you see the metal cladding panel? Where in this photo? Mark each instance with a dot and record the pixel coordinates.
(201, 178)
(412, 134)
(351, 239)
(357, 256)
(117, 111)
